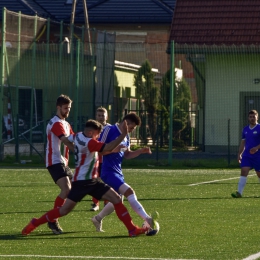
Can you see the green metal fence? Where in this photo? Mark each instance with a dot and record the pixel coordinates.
(202, 105)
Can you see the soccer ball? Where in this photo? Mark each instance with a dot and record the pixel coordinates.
(151, 232)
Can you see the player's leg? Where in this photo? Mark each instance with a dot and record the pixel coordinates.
(94, 205)
(95, 202)
(50, 216)
(243, 179)
(65, 186)
(241, 183)
(246, 165)
(122, 213)
(97, 220)
(61, 175)
(129, 193)
(119, 207)
(76, 194)
(115, 181)
(111, 195)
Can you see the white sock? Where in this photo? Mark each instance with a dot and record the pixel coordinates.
(137, 207)
(108, 209)
(241, 184)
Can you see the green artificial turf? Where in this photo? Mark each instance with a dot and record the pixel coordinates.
(198, 217)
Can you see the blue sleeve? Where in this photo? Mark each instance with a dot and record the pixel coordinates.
(243, 134)
(104, 136)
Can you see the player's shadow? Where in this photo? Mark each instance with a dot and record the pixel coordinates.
(11, 237)
(198, 198)
(48, 235)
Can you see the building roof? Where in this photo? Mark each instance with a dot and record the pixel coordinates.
(28, 7)
(99, 11)
(212, 22)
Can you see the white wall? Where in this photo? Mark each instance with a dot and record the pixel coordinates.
(227, 76)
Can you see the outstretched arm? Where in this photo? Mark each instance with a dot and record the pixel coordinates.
(132, 154)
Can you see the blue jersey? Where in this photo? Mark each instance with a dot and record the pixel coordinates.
(112, 162)
(252, 139)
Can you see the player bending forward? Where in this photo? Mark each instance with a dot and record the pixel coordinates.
(83, 183)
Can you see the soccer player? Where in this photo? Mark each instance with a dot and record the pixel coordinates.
(112, 173)
(57, 154)
(101, 117)
(248, 153)
(84, 180)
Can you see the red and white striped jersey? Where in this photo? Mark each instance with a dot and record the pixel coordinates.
(86, 156)
(56, 151)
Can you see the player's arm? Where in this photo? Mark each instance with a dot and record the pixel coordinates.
(68, 143)
(116, 150)
(59, 131)
(109, 147)
(132, 154)
(254, 149)
(241, 150)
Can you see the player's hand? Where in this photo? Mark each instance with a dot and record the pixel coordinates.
(146, 150)
(253, 150)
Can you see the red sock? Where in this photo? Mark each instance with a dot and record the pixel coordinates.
(124, 215)
(47, 217)
(59, 202)
(95, 201)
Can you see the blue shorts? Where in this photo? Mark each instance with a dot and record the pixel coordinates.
(113, 179)
(252, 162)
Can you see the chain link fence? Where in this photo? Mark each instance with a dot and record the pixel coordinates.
(214, 87)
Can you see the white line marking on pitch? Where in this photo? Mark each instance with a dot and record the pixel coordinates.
(252, 257)
(206, 182)
(90, 257)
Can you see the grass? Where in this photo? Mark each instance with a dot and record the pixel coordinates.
(138, 163)
(196, 222)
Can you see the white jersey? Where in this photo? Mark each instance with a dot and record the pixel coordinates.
(56, 151)
(86, 156)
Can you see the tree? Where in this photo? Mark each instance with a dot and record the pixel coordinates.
(182, 98)
(149, 92)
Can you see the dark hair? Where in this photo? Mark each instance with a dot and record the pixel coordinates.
(94, 125)
(133, 118)
(253, 112)
(63, 100)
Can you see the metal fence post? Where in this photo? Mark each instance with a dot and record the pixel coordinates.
(2, 71)
(228, 142)
(172, 83)
(17, 139)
